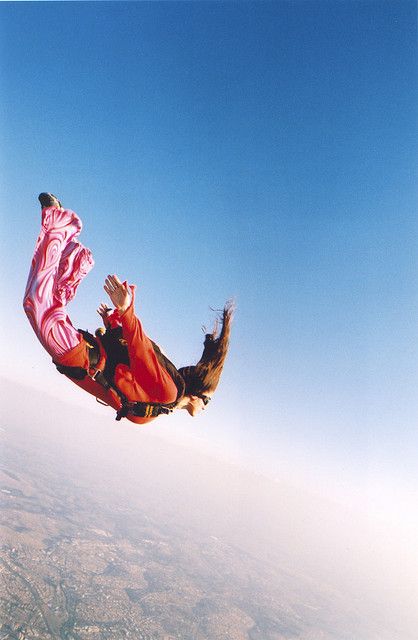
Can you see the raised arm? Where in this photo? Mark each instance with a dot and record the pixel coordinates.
(147, 371)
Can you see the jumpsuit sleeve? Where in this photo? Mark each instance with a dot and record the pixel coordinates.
(147, 371)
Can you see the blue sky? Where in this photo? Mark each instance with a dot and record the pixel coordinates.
(258, 150)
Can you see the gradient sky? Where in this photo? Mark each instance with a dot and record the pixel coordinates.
(263, 151)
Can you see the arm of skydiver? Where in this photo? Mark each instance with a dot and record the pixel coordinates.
(151, 376)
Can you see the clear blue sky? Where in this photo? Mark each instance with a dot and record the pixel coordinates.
(259, 150)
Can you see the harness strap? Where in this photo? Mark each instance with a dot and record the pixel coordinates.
(144, 409)
(139, 409)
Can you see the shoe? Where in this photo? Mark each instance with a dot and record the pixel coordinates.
(49, 200)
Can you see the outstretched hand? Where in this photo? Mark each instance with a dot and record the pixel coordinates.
(118, 292)
(103, 311)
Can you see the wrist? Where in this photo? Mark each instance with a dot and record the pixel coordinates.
(124, 307)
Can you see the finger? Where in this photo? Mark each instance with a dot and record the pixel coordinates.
(110, 284)
(114, 281)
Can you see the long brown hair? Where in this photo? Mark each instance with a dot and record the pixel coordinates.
(204, 376)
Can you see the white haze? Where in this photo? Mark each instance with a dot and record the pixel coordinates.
(363, 555)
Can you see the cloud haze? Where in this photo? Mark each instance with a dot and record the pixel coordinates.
(340, 554)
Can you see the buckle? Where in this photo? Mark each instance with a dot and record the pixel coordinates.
(95, 374)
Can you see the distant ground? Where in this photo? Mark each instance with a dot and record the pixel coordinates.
(75, 567)
(84, 557)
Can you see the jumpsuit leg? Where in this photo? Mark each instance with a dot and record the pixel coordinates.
(58, 266)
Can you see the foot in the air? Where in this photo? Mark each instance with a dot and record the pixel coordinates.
(49, 200)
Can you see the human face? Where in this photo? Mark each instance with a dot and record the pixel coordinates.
(197, 404)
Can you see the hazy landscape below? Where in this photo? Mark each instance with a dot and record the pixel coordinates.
(109, 531)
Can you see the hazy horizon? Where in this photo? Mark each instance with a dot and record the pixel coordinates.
(293, 529)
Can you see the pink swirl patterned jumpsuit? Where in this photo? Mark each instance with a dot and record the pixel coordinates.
(59, 264)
